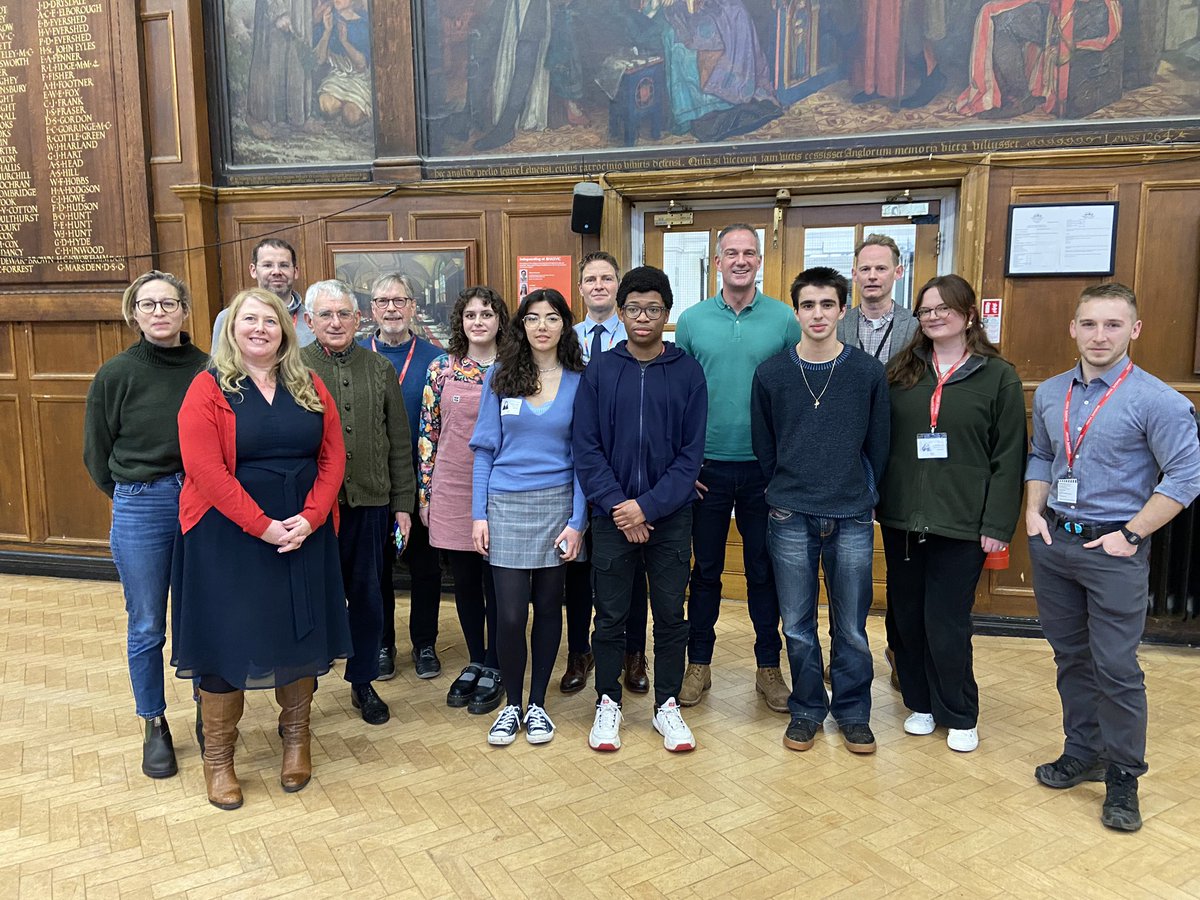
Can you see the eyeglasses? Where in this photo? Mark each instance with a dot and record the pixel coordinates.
(168, 305)
(533, 320)
(938, 312)
(343, 315)
(635, 312)
(398, 302)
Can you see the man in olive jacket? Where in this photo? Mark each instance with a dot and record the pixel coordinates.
(379, 483)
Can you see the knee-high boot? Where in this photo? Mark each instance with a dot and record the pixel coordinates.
(221, 714)
(295, 703)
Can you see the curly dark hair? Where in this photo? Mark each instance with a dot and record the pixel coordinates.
(516, 372)
(459, 345)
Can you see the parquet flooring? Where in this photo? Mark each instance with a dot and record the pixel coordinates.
(422, 807)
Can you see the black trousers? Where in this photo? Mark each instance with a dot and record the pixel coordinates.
(365, 555)
(930, 592)
(425, 573)
(667, 559)
(579, 602)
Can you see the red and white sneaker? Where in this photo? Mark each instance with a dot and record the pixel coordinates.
(606, 729)
(668, 722)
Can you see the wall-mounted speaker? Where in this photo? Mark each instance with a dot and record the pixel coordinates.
(587, 206)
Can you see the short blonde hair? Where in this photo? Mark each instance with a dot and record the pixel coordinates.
(129, 298)
(230, 368)
(879, 240)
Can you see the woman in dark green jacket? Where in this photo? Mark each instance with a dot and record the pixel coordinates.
(950, 496)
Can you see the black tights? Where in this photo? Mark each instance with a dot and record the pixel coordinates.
(475, 597)
(515, 589)
(215, 684)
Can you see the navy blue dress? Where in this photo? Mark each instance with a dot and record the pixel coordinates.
(240, 609)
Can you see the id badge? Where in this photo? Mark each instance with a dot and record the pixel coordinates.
(510, 406)
(1068, 490)
(934, 445)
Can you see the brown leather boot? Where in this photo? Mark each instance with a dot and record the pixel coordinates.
(636, 678)
(221, 713)
(575, 678)
(295, 702)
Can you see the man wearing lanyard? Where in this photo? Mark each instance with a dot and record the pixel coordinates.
(729, 334)
(600, 331)
(273, 267)
(877, 326)
(394, 306)
(1103, 434)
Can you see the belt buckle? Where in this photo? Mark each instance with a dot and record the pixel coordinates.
(1070, 527)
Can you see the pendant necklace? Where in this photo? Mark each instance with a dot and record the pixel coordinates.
(817, 397)
(553, 368)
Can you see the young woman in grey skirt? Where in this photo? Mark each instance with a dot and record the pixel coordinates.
(527, 509)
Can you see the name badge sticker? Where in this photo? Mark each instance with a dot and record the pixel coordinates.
(934, 445)
(1068, 490)
(510, 406)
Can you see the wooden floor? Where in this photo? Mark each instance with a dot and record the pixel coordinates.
(422, 807)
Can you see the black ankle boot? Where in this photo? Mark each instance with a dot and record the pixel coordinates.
(158, 751)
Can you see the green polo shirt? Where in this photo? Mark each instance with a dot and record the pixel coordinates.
(729, 346)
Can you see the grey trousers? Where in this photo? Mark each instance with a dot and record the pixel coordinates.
(1093, 612)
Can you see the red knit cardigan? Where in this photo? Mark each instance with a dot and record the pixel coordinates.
(208, 443)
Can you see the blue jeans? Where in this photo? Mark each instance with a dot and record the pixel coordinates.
(844, 548)
(740, 488)
(145, 521)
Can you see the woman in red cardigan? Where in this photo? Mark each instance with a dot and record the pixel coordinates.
(256, 584)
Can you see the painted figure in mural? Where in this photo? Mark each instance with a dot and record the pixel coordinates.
(1021, 51)
(717, 74)
(344, 45)
(280, 87)
(512, 82)
(897, 58)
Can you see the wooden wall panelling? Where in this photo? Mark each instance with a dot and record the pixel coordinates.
(73, 514)
(1168, 279)
(14, 496)
(161, 73)
(453, 224)
(542, 232)
(353, 227)
(64, 350)
(8, 353)
(171, 231)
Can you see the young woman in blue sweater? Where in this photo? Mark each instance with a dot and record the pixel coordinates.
(527, 509)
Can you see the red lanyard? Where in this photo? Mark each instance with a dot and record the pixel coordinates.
(408, 359)
(935, 402)
(1072, 450)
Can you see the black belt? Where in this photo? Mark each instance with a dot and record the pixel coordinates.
(1089, 531)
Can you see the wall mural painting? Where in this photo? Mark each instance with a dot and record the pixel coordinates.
(297, 76)
(539, 77)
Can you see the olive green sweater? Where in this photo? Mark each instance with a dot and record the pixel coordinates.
(977, 489)
(379, 468)
(129, 428)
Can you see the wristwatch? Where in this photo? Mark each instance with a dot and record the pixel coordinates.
(1132, 536)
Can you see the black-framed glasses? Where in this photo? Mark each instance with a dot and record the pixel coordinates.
(938, 312)
(398, 302)
(635, 312)
(167, 305)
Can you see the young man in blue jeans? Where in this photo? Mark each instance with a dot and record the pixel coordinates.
(638, 442)
(820, 426)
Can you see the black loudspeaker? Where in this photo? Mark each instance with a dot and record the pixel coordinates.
(587, 206)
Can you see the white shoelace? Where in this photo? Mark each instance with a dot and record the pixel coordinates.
(509, 717)
(608, 717)
(536, 720)
(671, 719)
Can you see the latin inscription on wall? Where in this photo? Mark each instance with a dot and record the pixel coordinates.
(61, 216)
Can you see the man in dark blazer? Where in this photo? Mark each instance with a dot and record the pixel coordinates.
(878, 325)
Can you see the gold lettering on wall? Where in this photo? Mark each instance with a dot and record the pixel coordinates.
(18, 196)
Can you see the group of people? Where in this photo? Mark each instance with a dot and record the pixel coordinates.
(598, 464)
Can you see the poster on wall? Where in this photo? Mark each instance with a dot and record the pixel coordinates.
(1048, 239)
(537, 272)
(989, 318)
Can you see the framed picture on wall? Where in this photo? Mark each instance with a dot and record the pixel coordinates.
(1071, 239)
(437, 270)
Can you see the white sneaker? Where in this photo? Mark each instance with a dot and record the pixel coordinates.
(539, 729)
(919, 723)
(606, 729)
(504, 729)
(964, 740)
(668, 722)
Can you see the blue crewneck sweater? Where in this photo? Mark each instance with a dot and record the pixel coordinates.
(525, 449)
(413, 385)
(822, 460)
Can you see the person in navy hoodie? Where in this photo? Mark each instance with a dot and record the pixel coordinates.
(638, 441)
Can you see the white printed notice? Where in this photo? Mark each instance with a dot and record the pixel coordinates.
(990, 318)
(1078, 239)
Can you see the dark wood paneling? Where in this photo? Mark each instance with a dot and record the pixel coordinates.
(1168, 280)
(357, 227)
(172, 240)
(536, 233)
(70, 350)
(73, 514)
(162, 100)
(14, 514)
(8, 355)
(452, 225)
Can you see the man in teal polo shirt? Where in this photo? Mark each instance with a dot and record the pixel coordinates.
(729, 335)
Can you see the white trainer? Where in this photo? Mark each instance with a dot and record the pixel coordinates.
(964, 740)
(606, 729)
(668, 722)
(919, 723)
(539, 729)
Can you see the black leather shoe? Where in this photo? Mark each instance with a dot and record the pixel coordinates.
(575, 678)
(374, 710)
(158, 750)
(488, 693)
(1121, 812)
(1068, 771)
(427, 662)
(463, 687)
(636, 679)
(387, 664)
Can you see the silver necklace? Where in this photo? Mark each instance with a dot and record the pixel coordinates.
(817, 397)
(553, 368)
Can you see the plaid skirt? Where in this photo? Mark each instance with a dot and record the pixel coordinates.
(522, 526)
